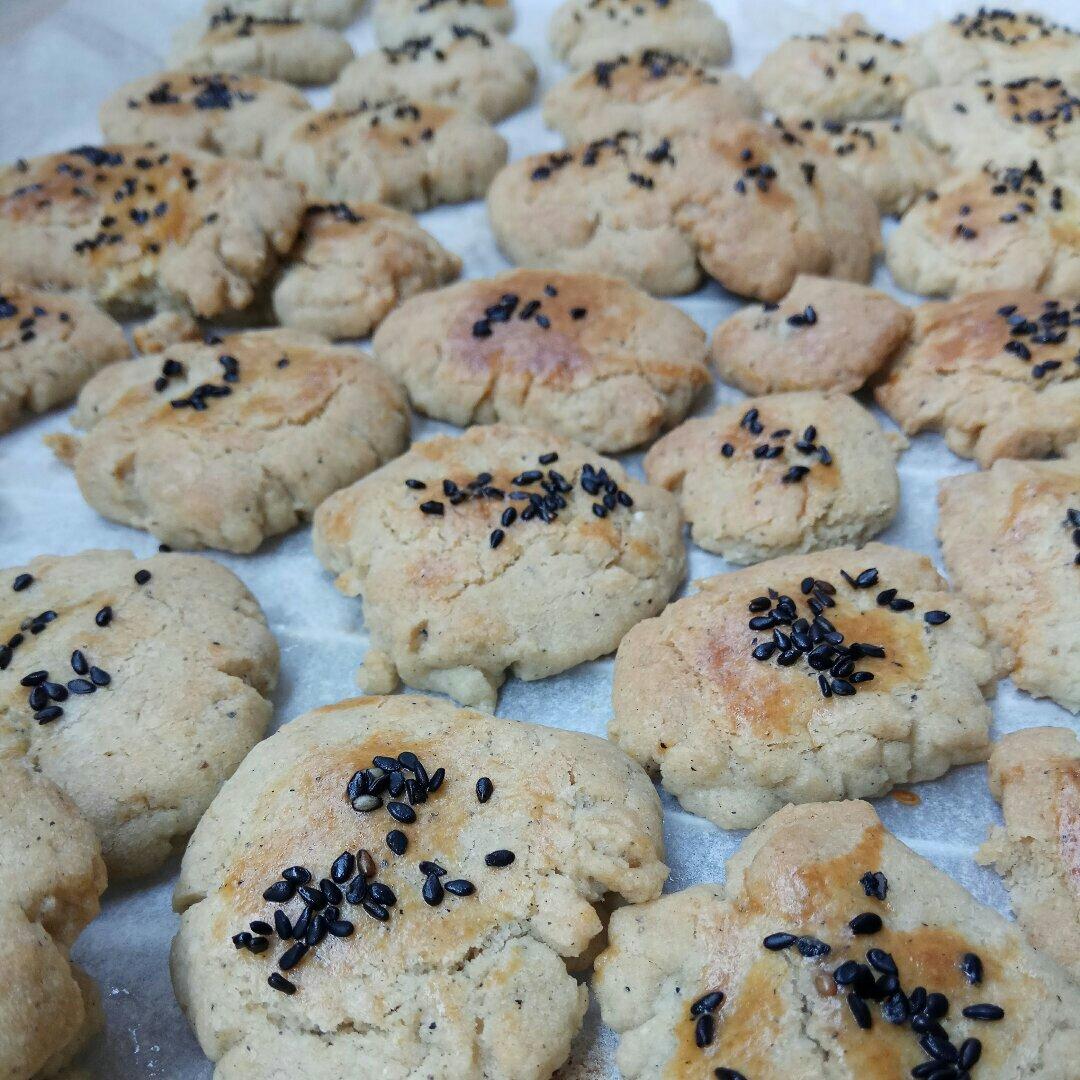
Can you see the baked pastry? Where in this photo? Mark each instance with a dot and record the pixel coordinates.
(398, 21)
(338, 13)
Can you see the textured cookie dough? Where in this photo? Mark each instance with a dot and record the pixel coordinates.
(734, 737)
(581, 355)
(338, 13)
(180, 662)
(353, 264)
(780, 475)
(995, 372)
(782, 1013)
(583, 32)
(231, 115)
(50, 344)
(471, 986)
(1010, 543)
(824, 335)
(413, 155)
(145, 229)
(398, 21)
(458, 66)
(1009, 228)
(740, 203)
(483, 582)
(227, 443)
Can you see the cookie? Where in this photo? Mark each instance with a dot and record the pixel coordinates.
(583, 32)
(137, 686)
(398, 21)
(502, 550)
(231, 115)
(227, 443)
(413, 155)
(337, 13)
(780, 475)
(1010, 542)
(824, 335)
(145, 229)
(581, 355)
(741, 701)
(832, 951)
(519, 830)
(353, 264)
(1008, 228)
(994, 372)
(458, 66)
(50, 344)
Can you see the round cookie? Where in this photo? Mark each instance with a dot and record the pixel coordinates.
(398, 21)
(337, 13)
(50, 345)
(581, 355)
(824, 335)
(148, 683)
(742, 701)
(505, 899)
(504, 549)
(413, 155)
(144, 229)
(781, 474)
(353, 264)
(231, 115)
(227, 443)
(458, 66)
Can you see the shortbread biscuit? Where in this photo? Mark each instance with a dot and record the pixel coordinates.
(397, 21)
(460, 969)
(824, 335)
(581, 355)
(781, 474)
(353, 264)
(338, 13)
(741, 701)
(502, 550)
(227, 443)
(1010, 541)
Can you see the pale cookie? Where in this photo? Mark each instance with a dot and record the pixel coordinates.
(581, 355)
(231, 115)
(997, 373)
(833, 952)
(145, 229)
(850, 73)
(583, 32)
(502, 550)
(338, 13)
(138, 686)
(459, 66)
(1010, 228)
(410, 154)
(824, 335)
(780, 475)
(227, 443)
(1009, 538)
(397, 21)
(862, 673)
(353, 264)
(521, 833)
(50, 344)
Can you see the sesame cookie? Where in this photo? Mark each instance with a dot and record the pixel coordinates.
(338, 13)
(996, 372)
(584, 356)
(398, 21)
(413, 155)
(824, 335)
(827, 676)
(301, 896)
(780, 474)
(50, 344)
(146, 229)
(583, 32)
(504, 549)
(458, 66)
(227, 443)
(1011, 541)
(353, 264)
(832, 952)
(231, 115)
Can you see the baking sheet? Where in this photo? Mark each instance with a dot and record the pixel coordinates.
(58, 60)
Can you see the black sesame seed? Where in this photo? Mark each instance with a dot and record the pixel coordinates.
(970, 1052)
(842, 688)
(812, 947)
(312, 896)
(460, 887)
(727, 449)
(868, 922)
(299, 875)
(936, 618)
(22, 581)
(99, 677)
(401, 812)
(34, 678)
(397, 842)
(881, 961)
(496, 538)
(142, 577)
(428, 867)
(282, 925)
(432, 890)
(972, 968)
(343, 867)
(48, 714)
(316, 931)
(376, 911)
(900, 605)
(847, 972)
(382, 894)
(984, 1011)
(436, 780)
(432, 506)
(280, 892)
(78, 663)
(330, 890)
(81, 686)
(282, 984)
(895, 1008)
(104, 616)
(241, 940)
(501, 857)
(728, 1074)
(484, 788)
(260, 927)
(760, 603)
(875, 884)
(867, 578)
(705, 1030)
(860, 1010)
(303, 921)
(779, 940)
